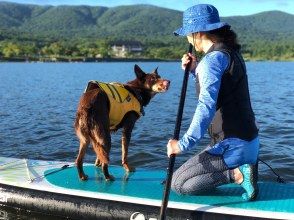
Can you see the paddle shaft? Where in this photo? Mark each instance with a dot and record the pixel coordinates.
(176, 137)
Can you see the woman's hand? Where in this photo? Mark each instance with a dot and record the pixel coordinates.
(172, 147)
(187, 58)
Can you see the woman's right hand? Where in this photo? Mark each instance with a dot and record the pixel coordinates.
(173, 147)
(187, 58)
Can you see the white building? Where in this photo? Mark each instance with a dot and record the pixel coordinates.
(126, 49)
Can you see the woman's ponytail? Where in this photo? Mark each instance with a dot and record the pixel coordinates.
(225, 35)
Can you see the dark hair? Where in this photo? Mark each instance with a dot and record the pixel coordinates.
(224, 35)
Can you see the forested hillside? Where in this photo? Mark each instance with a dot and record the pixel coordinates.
(85, 31)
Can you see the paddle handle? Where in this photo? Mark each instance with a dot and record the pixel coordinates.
(176, 137)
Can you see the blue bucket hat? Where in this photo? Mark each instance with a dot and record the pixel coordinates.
(202, 17)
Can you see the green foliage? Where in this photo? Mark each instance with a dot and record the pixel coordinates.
(266, 50)
(10, 50)
(88, 32)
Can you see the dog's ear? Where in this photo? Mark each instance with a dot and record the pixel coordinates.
(139, 73)
(155, 71)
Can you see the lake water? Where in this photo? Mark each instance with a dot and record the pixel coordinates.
(38, 103)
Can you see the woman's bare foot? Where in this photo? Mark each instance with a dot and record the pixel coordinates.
(246, 176)
(237, 175)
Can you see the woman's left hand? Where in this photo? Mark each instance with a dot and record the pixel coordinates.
(189, 58)
(172, 147)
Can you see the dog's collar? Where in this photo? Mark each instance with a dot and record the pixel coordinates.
(140, 100)
(138, 96)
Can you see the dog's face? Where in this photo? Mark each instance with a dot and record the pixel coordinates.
(151, 81)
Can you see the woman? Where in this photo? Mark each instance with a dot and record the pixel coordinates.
(223, 106)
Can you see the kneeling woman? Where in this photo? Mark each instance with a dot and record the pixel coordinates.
(223, 102)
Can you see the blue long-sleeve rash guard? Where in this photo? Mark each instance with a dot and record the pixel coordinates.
(234, 150)
(209, 71)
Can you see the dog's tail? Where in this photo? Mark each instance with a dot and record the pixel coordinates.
(81, 126)
(92, 123)
(84, 116)
(89, 118)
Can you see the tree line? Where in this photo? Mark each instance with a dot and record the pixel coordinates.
(91, 49)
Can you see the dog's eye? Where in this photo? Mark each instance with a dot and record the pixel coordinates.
(153, 79)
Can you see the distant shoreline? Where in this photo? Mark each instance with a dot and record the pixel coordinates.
(113, 60)
(85, 60)
(99, 60)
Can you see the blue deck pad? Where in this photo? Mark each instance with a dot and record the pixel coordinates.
(147, 184)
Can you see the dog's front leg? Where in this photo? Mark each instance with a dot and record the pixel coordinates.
(126, 138)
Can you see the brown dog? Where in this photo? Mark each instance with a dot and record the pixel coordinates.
(107, 107)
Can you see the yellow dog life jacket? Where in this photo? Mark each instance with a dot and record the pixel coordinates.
(121, 101)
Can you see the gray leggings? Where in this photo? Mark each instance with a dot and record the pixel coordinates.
(200, 173)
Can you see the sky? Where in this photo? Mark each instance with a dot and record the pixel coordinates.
(225, 7)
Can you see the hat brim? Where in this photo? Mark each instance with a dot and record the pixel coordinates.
(182, 31)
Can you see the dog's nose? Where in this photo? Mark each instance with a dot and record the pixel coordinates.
(166, 83)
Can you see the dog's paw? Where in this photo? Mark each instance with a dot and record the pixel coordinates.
(98, 163)
(128, 168)
(131, 169)
(84, 177)
(109, 178)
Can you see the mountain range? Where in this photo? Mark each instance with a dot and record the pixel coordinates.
(123, 22)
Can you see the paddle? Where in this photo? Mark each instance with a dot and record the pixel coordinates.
(176, 137)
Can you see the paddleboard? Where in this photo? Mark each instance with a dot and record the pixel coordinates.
(53, 187)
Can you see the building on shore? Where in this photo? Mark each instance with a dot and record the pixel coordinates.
(127, 49)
